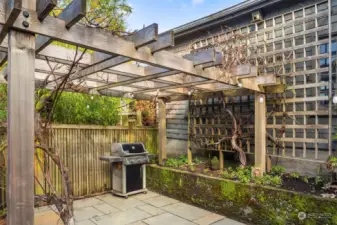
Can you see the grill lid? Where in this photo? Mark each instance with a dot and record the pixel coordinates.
(128, 149)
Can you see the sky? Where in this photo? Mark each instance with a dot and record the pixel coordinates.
(169, 14)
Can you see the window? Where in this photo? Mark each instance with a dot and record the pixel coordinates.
(324, 63)
(260, 37)
(252, 28)
(324, 48)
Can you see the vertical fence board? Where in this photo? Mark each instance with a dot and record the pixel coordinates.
(80, 148)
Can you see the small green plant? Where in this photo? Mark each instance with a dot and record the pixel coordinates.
(197, 160)
(277, 170)
(215, 164)
(331, 163)
(319, 180)
(177, 163)
(294, 175)
(269, 180)
(3, 212)
(305, 179)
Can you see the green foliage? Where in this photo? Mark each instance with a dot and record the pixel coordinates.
(197, 160)
(177, 163)
(331, 163)
(215, 163)
(277, 170)
(75, 108)
(244, 175)
(269, 180)
(107, 14)
(305, 179)
(294, 175)
(3, 212)
(3, 103)
(319, 180)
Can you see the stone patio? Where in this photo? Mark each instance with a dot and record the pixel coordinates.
(143, 209)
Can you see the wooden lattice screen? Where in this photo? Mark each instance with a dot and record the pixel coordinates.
(294, 45)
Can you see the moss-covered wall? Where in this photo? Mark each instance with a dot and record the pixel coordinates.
(247, 203)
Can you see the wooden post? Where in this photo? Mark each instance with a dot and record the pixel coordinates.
(162, 131)
(20, 179)
(260, 131)
(131, 131)
(189, 152)
(139, 118)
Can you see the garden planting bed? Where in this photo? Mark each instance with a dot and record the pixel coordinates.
(252, 203)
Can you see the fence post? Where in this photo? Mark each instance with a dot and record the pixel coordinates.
(139, 118)
(131, 131)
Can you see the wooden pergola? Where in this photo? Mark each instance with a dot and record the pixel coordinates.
(138, 66)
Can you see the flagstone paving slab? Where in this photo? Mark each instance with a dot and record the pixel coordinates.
(148, 195)
(121, 218)
(186, 211)
(208, 219)
(84, 203)
(81, 214)
(228, 221)
(151, 209)
(106, 208)
(142, 209)
(160, 201)
(167, 219)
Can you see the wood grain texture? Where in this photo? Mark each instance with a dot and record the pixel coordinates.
(20, 189)
(260, 132)
(161, 131)
(73, 13)
(44, 7)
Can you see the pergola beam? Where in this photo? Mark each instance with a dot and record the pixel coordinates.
(73, 13)
(164, 41)
(44, 7)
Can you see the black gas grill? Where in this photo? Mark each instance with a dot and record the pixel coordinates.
(128, 174)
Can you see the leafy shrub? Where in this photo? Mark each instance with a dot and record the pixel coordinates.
(278, 170)
(244, 175)
(173, 162)
(269, 180)
(294, 175)
(74, 108)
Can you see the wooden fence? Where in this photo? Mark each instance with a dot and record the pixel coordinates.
(80, 147)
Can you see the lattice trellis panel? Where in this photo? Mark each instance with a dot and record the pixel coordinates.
(294, 45)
